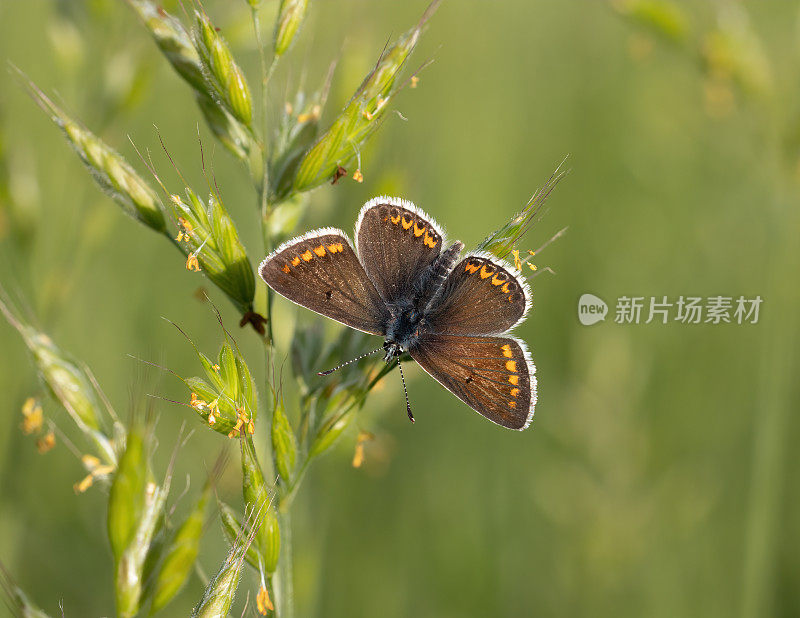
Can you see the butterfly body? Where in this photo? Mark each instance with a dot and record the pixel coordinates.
(451, 316)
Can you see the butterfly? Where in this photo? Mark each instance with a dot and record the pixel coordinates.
(399, 282)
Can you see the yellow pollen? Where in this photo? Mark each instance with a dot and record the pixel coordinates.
(320, 251)
(533, 267)
(414, 81)
(531, 252)
(358, 176)
(215, 367)
(513, 380)
(507, 351)
(307, 256)
(212, 419)
(511, 365)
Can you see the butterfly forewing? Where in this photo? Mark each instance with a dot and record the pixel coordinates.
(482, 295)
(493, 375)
(321, 272)
(396, 243)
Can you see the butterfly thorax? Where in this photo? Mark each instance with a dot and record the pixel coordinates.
(407, 314)
(403, 328)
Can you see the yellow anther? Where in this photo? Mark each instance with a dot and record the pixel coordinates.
(358, 176)
(32, 416)
(90, 462)
(46, 442)
(414, 81)
(192, 263)
(517, 261)
(197, 403)
(263, 601)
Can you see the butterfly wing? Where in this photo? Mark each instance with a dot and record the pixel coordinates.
(396, 243)
(482, 295)
(493, 375)
(321, 272)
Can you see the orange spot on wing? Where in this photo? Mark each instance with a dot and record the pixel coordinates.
(514, 392)
(513, 380)
(430, 241)
(307, 256)
(407, 224)
(335, 248)
(511, 365)
(320, 251)
(485, 272)
(496, 280)
(507, 351)
(396, 219)
(418, 230)
(471, 268)
(286, 269)
(295, 260)
(505, 288)
(512, 404)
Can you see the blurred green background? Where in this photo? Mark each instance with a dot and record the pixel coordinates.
(658, 478)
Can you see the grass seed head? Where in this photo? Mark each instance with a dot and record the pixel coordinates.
(110, 170)
(361, 117)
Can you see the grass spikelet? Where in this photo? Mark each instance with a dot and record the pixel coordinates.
(223, 74)
(221, 590)
(181, 552)
(210, 236)
(290, 17)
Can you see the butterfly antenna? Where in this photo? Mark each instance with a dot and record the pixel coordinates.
(405, 391)
(330, 371)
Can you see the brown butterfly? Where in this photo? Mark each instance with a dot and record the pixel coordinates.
(451, 316)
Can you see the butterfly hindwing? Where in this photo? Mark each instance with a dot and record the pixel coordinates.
(396, 243)
(482, 295)
(493, 375)
(321, 272)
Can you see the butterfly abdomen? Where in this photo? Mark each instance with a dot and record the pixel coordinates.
(431, 281)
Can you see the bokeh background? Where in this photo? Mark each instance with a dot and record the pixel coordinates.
(659, 477)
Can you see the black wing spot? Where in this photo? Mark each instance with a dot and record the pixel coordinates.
(328, 294)
(469, 379)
